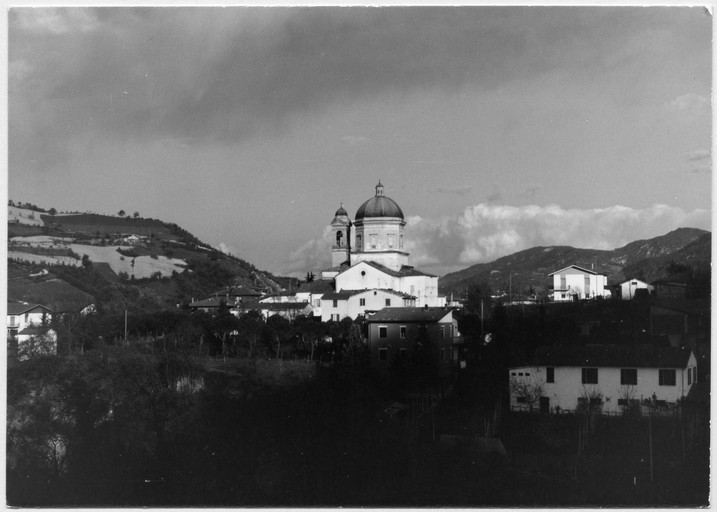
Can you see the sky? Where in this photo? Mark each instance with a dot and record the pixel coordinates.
(496, 129)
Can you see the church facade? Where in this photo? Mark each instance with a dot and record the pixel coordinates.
(368, 254)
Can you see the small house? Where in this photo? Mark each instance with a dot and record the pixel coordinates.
(575, 283)
(609, 377)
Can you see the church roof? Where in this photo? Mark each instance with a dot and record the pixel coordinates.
(406, 271)
(379, 206)
(345, 294)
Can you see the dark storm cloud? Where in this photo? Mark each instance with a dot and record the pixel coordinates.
(225, 74)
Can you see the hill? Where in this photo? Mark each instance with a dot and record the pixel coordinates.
(71, 260)
(528, 270)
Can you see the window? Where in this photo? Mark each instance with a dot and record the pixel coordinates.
(400, 242)
(587, 286)
(362, 302)
(694, 374)
(628, 376)
(373, 240)
(550, 374)
(443, 331)
(391, 240)
(382, 354)
(403, 353)
(667, 377)
(335, 317)
(520, 399)
(512, 374)
(590, 375)
(336, 303)
(358, 242)
(383, 331)
(317, 302)
(388, 302)
(520, 374)
(689, 376)
(563, 283)
(402, 331)
(443, 354)
(527, 374)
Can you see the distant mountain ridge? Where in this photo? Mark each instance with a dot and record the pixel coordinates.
(527, 270)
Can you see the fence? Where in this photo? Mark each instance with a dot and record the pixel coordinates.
(641, 411)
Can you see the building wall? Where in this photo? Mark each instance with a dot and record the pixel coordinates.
(441, 343)
(575, 282)
(352, 307)
(568, 386)
(362, 276)
(627, 289)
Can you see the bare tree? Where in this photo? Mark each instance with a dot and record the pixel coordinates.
(529, 391)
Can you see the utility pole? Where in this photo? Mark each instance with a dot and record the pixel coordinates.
(125, 326)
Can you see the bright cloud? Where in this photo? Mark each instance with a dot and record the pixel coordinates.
(486, 232)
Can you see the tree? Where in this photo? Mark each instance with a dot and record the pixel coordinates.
(121, 213)
(52, 211)
(86, 263)
(529, 391)
(136, 215)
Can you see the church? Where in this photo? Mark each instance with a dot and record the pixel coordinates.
(370, 268)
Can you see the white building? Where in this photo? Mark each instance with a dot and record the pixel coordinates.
(368, 254)
(21, 316)
(628, 288)
(573, 282)
(611, 377)
(351, 303)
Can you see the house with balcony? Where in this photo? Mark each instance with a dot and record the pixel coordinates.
(399, 332)
(611, 378)
(577, 283)
(21, 315)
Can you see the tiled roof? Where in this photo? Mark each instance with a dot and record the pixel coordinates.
(404, 272)
(283, 306)
(316, 286)
(34, 330)
(423, 314)
(211, 302)
(237, 291)
(345, 294)
(16, 308)
(618, 356)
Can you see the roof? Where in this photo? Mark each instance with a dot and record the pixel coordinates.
(619, 356)
(316, 286)
(581, 269)
(341, 212)
(406, 271)
(428, 315)
(35, 330)
(237, 291)
(379, 206)
(211, 302)
(345, 294)
(17, 308)
(283, 306)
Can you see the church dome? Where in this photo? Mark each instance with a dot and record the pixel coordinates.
(379, 206)
(341, 212)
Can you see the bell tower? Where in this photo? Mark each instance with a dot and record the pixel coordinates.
(341, 231)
